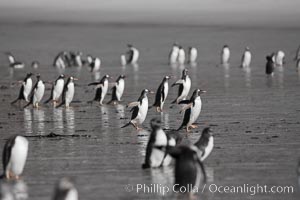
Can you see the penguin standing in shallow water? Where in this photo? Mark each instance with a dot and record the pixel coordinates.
(118, 90)
(13, 63)
(101, 89)
(161, 94)
(94, 63)
(133, 55)
(225, 55)
(246, 58)
(37, 93)
(189, 170)
(57, 89)
(156, 155)
(192, 110)
(173, 54)
(25, 89)
(184, 86)
(205, 143)
(269, 65)
(65, 190)
(139, 110)
(68, 92)
(193, 53)
(14, 157)
(181, 56)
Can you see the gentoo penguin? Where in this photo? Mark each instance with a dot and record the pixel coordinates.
(101, 89)
(35, 64)
(57, 89)
(37, 93)
(77, 59)
(246, 58)
(184, 86)
(189, 169)
(192, 109)
(118, 90)
(14, 156)
(156, 155)
(94, 63)
(161, 94)
(181, 56)
(205, 143)
(25, 89)
(59, 60)
(133, 55)
(65, 190)
(173, 54)
(13, 63)
(269, 65)
(297, 57)
(68, 92)
(279, 58)
(193, 53)
(139, 110)
(225, 55)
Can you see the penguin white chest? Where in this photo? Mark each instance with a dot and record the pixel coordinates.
(143, 109)
(186, 87)
(157, 155)
(18, 155)
(208, 149)
(246, 59)
(70, 93)
(104, 90)
(120, 89)
(193, 55)
(181, 56)
(58, 89)
(72, 195)
(166, 91)
(97, 65)
(39, 92)
(27, 88)
(135, 55)
(195, 110)
(225, 55)
(174, 55)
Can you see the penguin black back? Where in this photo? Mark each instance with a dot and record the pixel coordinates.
(269, 65)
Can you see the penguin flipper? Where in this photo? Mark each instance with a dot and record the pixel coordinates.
(129, 123)
(186, 107)
(14, 101)
(133, 104)
(184, 102)
(94, 83)
(60, 105)
(27, 104)
(179, 82)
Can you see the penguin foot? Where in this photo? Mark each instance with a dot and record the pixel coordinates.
(194, 126)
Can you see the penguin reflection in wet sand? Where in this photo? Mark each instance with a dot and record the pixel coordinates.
(161, 94)
(184, 86)
(225, 55)
(65, 190)
(205, 143)
(192, 109)
(118, 90)
(25, 89)
(139, 110)
(57, 89)
(156, 155)
(14, 157)
(37, 93)
(68, 92)
(189, 169)
(101, 89)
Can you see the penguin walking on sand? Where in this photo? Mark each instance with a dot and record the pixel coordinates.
(270, 65)
(101, 89)
(205, 143)
(173, 54)
(184, 86)
(246, 58)
(118, 90)
(156, 155)
(60, 61)
(132, 54)
(189, 169)
(57, 89)
(225, 55)
(192, 109)
(193, 53)
(25, 89)
(14, 157)
(94, 63)
(161, 94)
(68, 92)
(37, 93)
(13, 63)
(181, 56)
(139, 110)
(65, 190)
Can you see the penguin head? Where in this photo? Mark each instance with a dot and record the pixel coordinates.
(38, 76)
(269, 58)
(129, 45)
(184, 72)
(122, 76)
(225, 46)
(145, 92)
(207, 132)
(106, 76)
(166, 78)
(89, 58)
(247, 48)
(61, 76)
(63, 186)
(155, 123)
(197, 93)
(29, 75)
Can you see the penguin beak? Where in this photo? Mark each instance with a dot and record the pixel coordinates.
(202, 91)
(75, 79)
(151, 92)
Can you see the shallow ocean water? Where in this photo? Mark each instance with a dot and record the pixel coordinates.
(255, 118)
